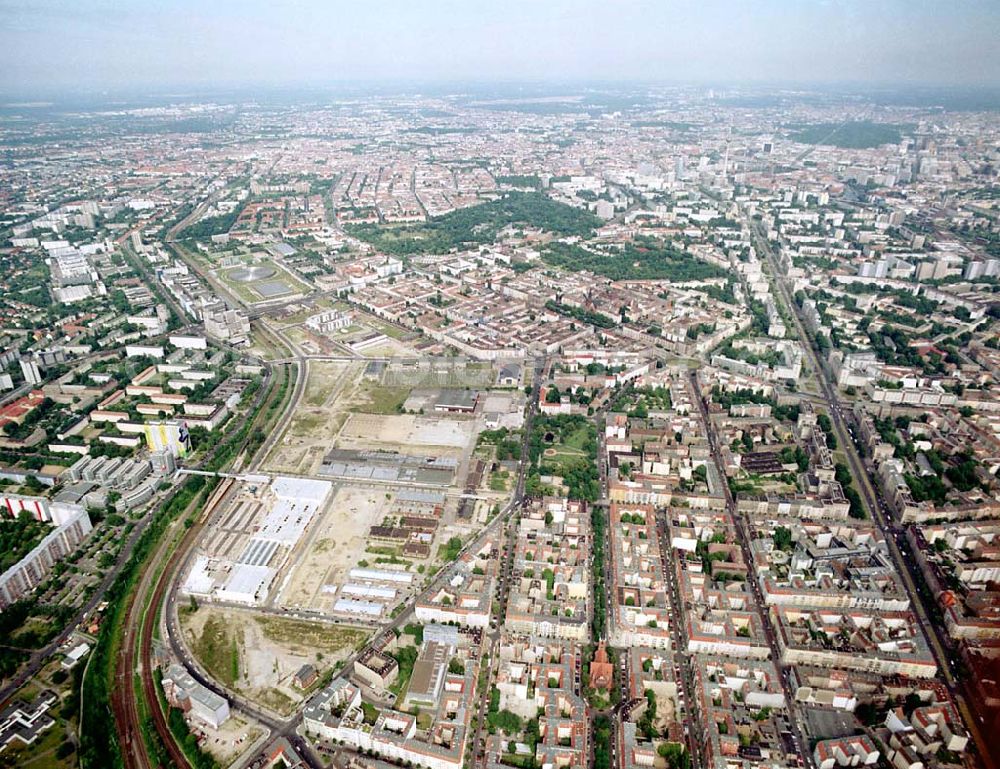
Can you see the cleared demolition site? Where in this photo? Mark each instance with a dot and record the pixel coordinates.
(381, 474)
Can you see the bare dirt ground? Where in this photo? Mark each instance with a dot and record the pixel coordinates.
(229, 741)
(407, 434)
(336, 544)
(388, 349)
(666, 706)
(313, 428)
(268, 650)
(343, 408)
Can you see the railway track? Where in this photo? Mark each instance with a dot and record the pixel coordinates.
(123, 705)
(139, 648)
(138, 640)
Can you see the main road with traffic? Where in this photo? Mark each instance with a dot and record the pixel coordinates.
(894, 534)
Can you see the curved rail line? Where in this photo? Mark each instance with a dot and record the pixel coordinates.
(138, 641)
(139, 648)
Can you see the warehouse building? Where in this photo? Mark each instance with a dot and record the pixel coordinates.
(183, 692)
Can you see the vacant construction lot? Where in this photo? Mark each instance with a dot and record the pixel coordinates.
(342, 408)
(229, 741)
(407, 434)
(215, 645)
(336, 543)
(322, 411)
(379, 399)
(258, 654)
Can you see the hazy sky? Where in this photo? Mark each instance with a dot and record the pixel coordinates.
(113, 44)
